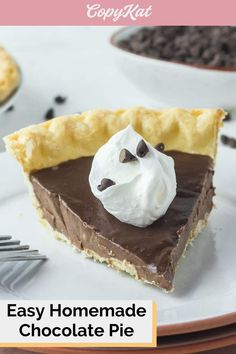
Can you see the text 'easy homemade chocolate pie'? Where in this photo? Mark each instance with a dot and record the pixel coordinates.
(131, 188)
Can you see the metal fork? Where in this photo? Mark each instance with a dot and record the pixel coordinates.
(11, 250)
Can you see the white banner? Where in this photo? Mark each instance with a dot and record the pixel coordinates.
(78, 323)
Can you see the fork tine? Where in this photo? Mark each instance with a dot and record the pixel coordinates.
(5, 237)
(37, 257)
(10, 242)
(17, 253)
(14, 248)
(11, 250)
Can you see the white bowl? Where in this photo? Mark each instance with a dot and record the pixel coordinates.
(176, 84)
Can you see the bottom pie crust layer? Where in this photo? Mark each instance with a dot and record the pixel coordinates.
(124, 266)
(149, 254)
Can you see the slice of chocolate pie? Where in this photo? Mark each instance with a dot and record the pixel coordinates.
(149, 222)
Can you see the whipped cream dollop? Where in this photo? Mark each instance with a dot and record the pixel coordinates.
(135, 182)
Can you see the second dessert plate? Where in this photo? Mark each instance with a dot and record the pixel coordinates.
(205, 283)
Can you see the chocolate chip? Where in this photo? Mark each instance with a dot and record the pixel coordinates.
(228, 141)
(126, 156)
(160, 147)
(105, 183)
(232, 143)
(60, 99)
(10, 109)
(228, 117)
(49, 114)
(142, 149)
(224, 139)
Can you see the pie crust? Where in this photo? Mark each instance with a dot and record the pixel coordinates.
(70, 137)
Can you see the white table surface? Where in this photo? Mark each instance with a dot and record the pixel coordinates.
(73, 61)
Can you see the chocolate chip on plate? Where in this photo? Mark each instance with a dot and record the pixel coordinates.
(160, 147)
(10, 109)
(49, 114)
(228, 117)
(126, 156)
(105, 183)
(224, 139)
(142, 149)
(60, 99)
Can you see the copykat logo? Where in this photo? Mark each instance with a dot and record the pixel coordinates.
(131, 11)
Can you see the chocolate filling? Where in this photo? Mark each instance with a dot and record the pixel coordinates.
(69, 206)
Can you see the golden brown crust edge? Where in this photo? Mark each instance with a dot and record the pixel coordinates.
(69, 137)
(9, 75)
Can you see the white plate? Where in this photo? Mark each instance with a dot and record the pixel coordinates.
(205, 281)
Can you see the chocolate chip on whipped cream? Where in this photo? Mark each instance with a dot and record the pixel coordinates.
(144, 190)
(142, 149)
(105, 183)
(126, 156)
(160, 147)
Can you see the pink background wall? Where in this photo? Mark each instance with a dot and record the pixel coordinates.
(74, 12)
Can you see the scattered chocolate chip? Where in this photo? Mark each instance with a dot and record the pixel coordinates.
(209, 45)
(126, 156)
(228, 117)
(105, 183)
(10, 109)
(232, 143)
(60, 99)
(49, 114)
(226, 140)
(160, 147)
(142, 149)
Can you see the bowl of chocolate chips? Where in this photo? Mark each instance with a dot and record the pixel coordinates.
(180, 65)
